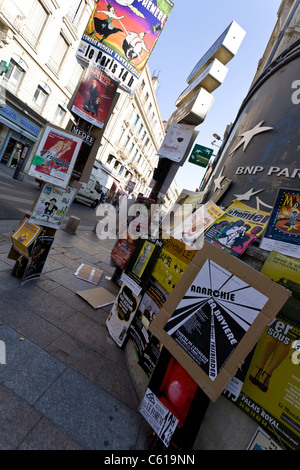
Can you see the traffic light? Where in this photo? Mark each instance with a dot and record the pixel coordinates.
(3, 67)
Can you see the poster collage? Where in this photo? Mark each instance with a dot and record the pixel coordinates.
(213, 315)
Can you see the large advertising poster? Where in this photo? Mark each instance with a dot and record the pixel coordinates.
(121, 35)
(269, 391)
(95, 96)
(240, 226)
(283, 230)
(55, 156)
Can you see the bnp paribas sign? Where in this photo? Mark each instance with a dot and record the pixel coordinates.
(262, 152)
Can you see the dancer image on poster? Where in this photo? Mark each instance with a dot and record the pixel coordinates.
(272, 354)
(133, 44)
(292, 221)
(105, 27)
(128, 3)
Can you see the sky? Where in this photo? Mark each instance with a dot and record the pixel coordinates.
(191, 29)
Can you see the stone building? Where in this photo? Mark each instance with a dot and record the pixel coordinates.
(38, 42)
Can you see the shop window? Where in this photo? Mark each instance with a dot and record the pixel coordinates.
(60, 115)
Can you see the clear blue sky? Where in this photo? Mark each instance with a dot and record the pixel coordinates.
(191, 29)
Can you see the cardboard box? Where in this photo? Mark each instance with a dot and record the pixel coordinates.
(215, 316)
(24, 236)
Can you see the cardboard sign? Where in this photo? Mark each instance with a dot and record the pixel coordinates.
(215, 316)
(98, 297)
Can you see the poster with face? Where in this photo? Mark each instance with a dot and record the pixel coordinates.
(95, 96)
(55, 156)
(120, 36)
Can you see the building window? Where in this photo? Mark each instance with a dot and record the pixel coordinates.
(121, 169)
(146, 96)
(60, 115)
(58, 54)
(136, 152)
(15, 74)
(140, 128)
(35, 23)
(137, 118)
(76, 11)
(40, 96)
(109, 159)
(144, 135)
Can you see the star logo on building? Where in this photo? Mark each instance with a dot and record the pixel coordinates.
(248, 136)
(247, 196)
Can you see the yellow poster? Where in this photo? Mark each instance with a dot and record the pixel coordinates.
(172, 262)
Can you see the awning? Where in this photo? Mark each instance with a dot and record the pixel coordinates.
(17, 128)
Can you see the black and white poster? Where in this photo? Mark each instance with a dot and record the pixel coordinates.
(213, 316)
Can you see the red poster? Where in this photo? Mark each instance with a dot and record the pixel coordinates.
(95, 96)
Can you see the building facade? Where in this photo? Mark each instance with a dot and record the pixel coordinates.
(38, 43)
(38, 40)
(131, 139)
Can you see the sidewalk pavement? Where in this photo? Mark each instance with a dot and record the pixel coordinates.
(65, 384)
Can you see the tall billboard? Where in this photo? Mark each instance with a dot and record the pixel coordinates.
(120, 36)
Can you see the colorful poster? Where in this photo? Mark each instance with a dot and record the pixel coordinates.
(196, 223)
(122, 314)
(121, 35)
(24, 236)
(283, 230)
(213, 316)
(140, 265)
(38, 257)
(176, 141)
(172, 262)
(95, 96)
(55, 156)
(173, 404)
(52, 205)
(240, 226)
(270, 391)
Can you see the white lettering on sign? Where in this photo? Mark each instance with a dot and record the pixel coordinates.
(273, 170)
